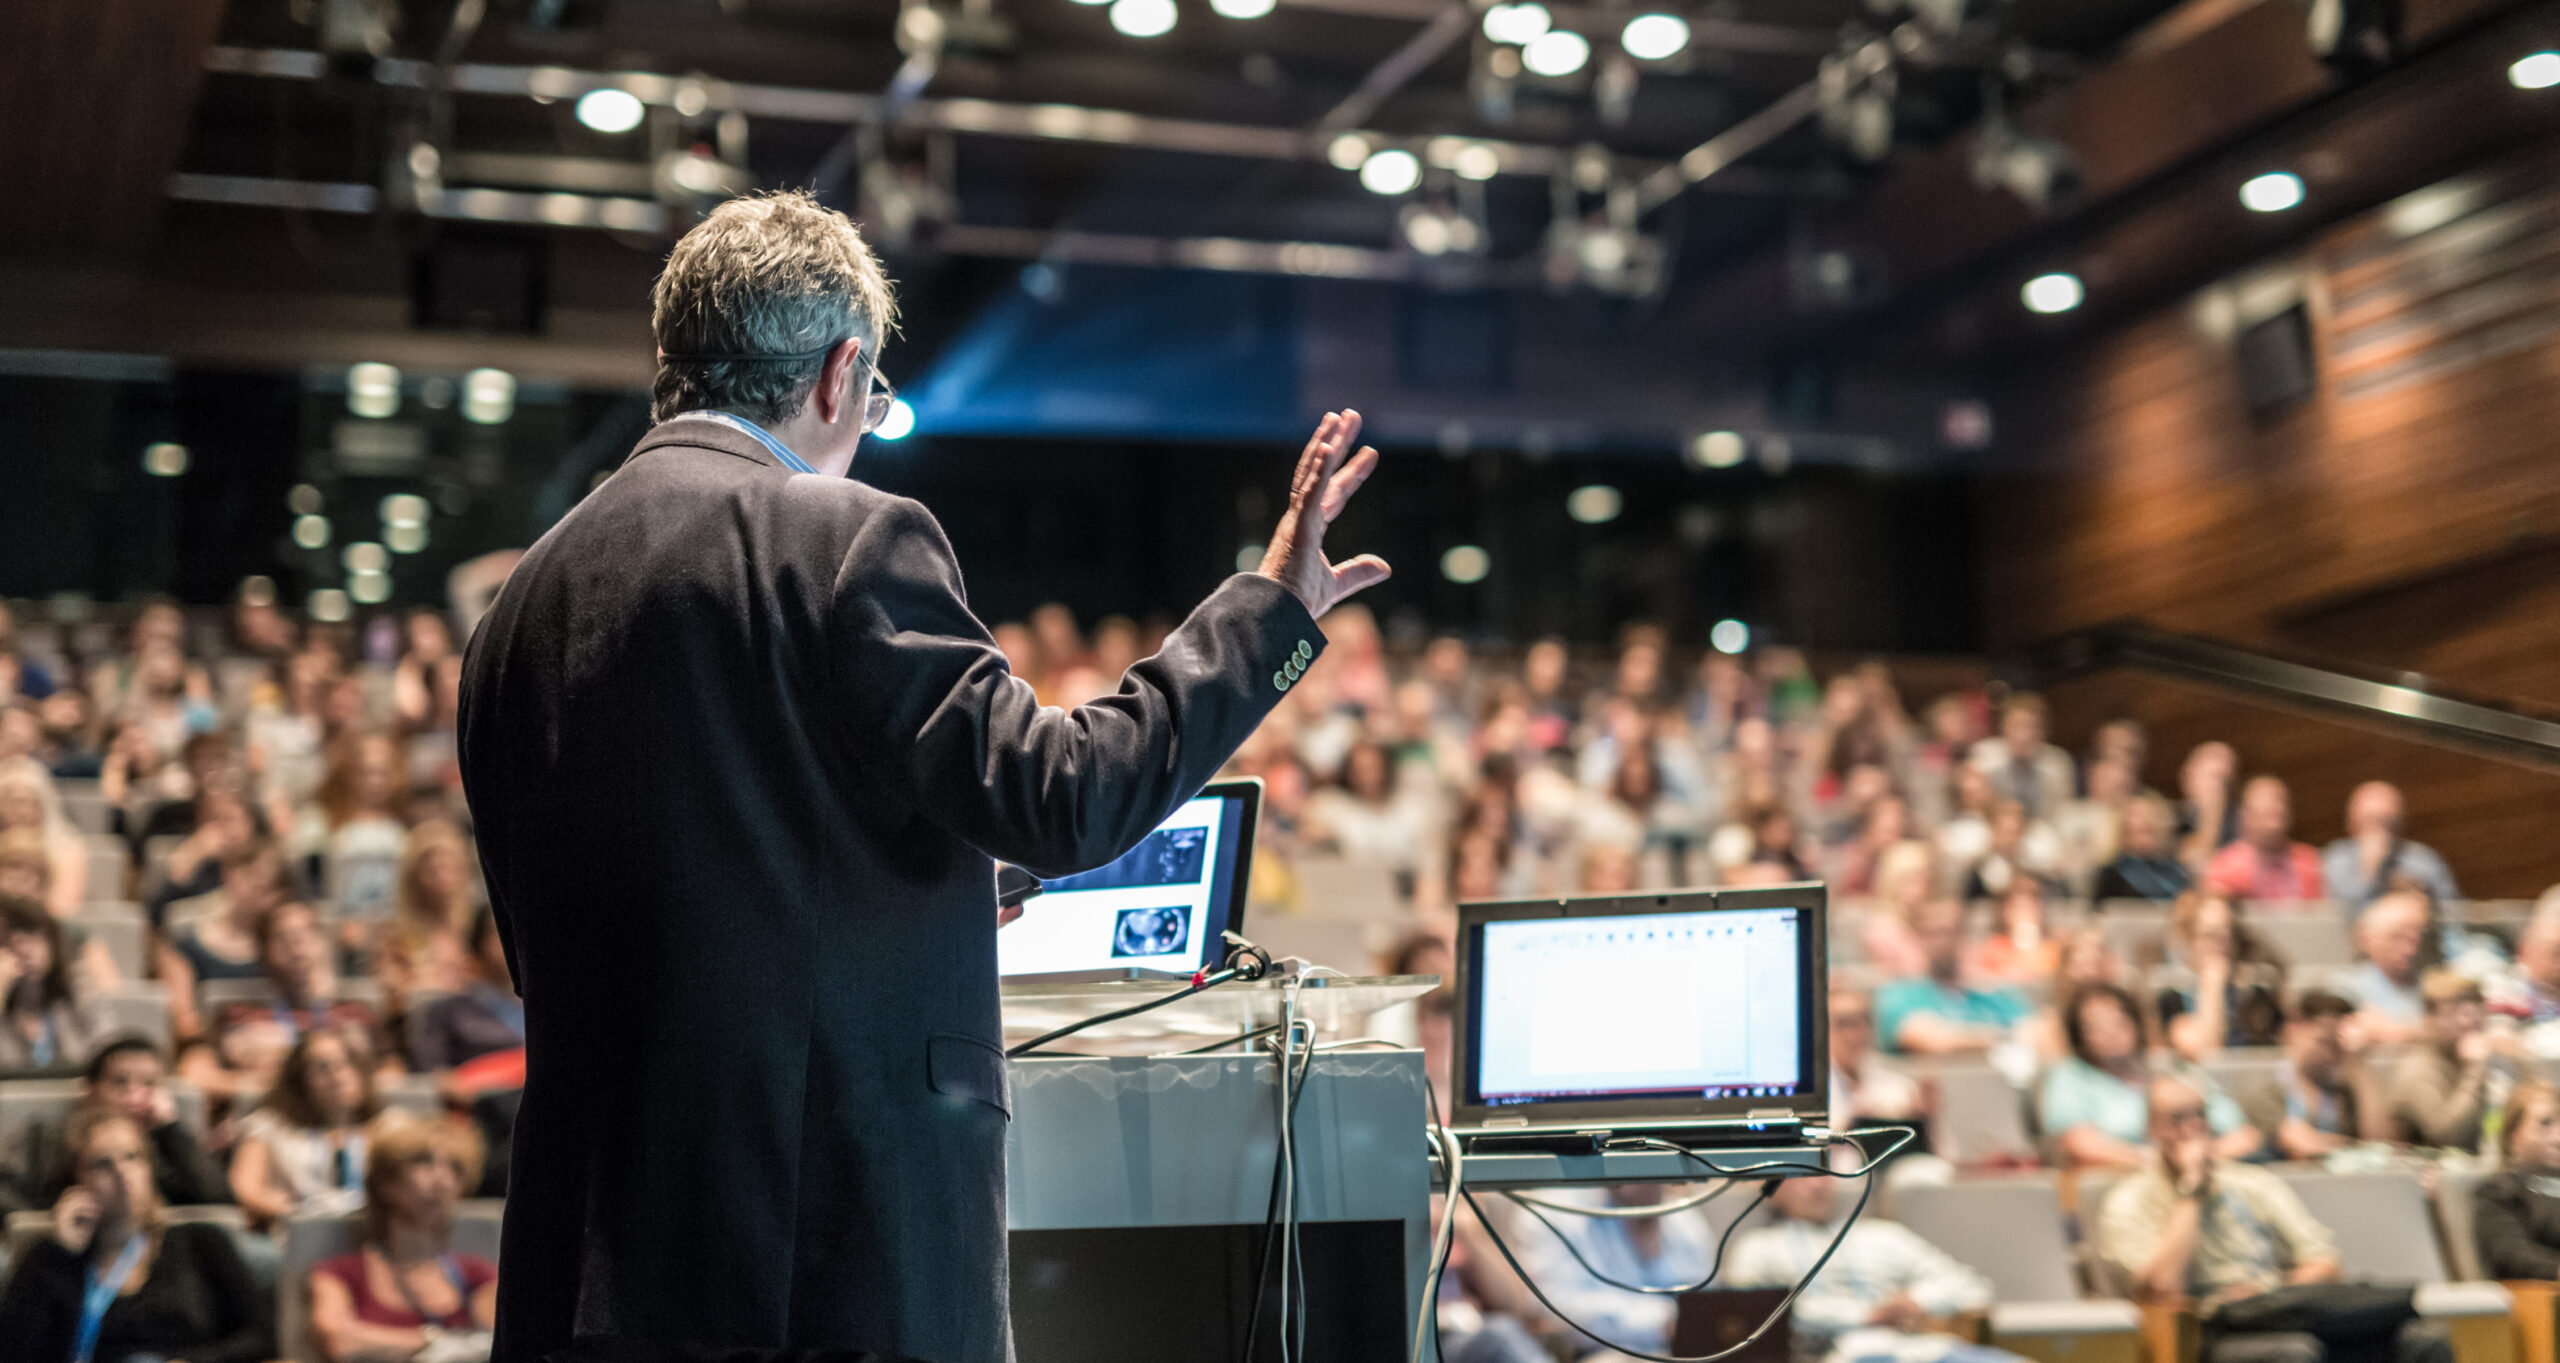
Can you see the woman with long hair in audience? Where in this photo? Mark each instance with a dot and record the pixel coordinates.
(2094, 1107)
(287, 726)
(1359, 815)
(29, 809)
(2021, 948)
(245, 1040)
(406, 1286)
(2219, 985)
(159, 1291)
(215, 936)
(427, 640)
(422, 947)
(47, 1021)
(362, 804)
(2515, 1215)
(2082, 956)
(303, 1150)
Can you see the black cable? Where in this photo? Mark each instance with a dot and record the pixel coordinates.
(1244, 962)
(1270, 1228)
(1254, 1035)
(1714, 1266)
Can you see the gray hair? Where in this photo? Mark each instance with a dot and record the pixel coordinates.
(770, 274)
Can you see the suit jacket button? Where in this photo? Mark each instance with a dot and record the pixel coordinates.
(1280, 681)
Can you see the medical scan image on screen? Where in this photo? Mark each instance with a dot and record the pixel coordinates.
(1149, 908)
(1641, 1005)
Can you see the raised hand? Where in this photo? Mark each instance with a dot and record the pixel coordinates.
(1328, 473)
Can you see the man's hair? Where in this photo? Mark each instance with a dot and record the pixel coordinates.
(770, 274)
(2441, 986)
(2320, 1005)
(127, 1044)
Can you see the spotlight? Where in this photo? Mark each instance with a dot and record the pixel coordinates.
(1518, 24)
(373, 390)
(1476, 161)
(311, 532)
(488, 396)
(164, 459)
(1557, 52)
(1348, 151)
(1718, 450)
(2052, 293)
(1392, 171)
(1654, 37)
(2273, 192)
(1243, 9)
(2540, 71)
(1465, 564)
(1143, 18)
(1597, 504)
(899, 424)
(610, 110)
(1730, 636)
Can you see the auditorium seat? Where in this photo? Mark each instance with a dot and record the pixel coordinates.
(2136, 932)
(1346, 946)
(2453, 1214)
(2385, 1233)
(1341, 890)
(2320, 938)
(216, 993)
(411, 1093)
(86, 809)
(1981, 1116)
(2010, 1231)
(136, 1008)
(310, 1239)
(2243, 1068)
(110, 863)
(119, 935)
(24, 1102)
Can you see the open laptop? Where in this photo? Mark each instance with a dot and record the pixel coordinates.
(1153, 914)
(1695, 1017)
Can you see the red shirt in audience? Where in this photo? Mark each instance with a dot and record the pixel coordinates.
(2242, 870)
(469, 1272)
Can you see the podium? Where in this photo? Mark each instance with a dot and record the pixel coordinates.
(1138, 1185)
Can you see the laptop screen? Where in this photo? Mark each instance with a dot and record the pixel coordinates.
(1672, 1005)
(1160, 906)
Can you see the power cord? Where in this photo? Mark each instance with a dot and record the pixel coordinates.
(1291, 1086)
(1244, 961)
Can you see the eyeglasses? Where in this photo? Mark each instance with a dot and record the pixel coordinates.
(2180, 1116)
(884, 396)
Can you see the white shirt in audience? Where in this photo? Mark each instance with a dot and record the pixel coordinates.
(307, 1165)
(1878, 1260)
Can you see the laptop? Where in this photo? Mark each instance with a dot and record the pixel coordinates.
(1155, 913)
(1697, 1017)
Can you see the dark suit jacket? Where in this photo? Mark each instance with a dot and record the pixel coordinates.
(739, 757)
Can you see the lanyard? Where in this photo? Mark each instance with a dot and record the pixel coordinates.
(102, 1294)
(763, 437)
(452, 1273)
(350, 1163)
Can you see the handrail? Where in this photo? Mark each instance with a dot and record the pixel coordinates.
(2407, 701)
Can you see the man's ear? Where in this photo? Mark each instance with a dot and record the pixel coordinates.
(834, 392)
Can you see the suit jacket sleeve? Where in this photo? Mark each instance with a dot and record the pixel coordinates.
(1052, 790)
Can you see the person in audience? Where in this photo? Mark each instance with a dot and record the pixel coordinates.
(28, 808)
(2266, 864)
(2091, 828)
(2373, 858)
(2145, 864)
(70, 750)
(1906, 877)
(26, 872)
(2390, 939)
(1878, 1294)
(34, 682)
(2208, 818)
(363, 826)
(215, 936)
(2092, 1105)
(2022, 766)
(1568, 1257)
(487, 1017)
(303, 1150)
(2018, 851)
(2085, 957)
(2515, 1213)
(170, 1291)
(2219, 985)
(1863, 1088)
(425, 945)
(126, 1075)
(1940, 1013)
(47, 1021)
(406, 1283)
(2312, 1107)
(2020, 949)
(225, 822)
(247, 1040)
(1361, 817)
(2531, 991)
(2442, 1086)
(2189, 1227)
(428, 642)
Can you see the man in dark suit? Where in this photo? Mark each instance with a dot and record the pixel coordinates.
(741, 758)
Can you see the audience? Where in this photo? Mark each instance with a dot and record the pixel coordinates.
(2390, 939)
(27, 808)
(2218, 985)
(303, 1150)
(1569, 1256)
(180, 1291)
(2310, 1107)
(2442, 1085)
(406, 1284)
(2093, 1106)
(1863, 1089)
(486, 1017)
(47, 1021)
(2373, 859)
(1939, 1013)
(2515, 1214)
(2145, 865)
(1881, 1292)
(2266, 864)
(2038, 776)
(126, 1075)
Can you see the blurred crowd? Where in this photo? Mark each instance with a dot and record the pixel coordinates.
(234, 852)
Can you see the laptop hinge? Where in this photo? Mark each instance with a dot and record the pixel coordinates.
(1771, 1114)
(1506, 1121)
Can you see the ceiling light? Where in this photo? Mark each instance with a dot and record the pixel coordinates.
(1465, 564)
(370, 588)
(328, 605)
(1348, 151)
(364, 556)
(1718, 450)
(2273, 192)
(610, 110)
(1559, 52)
(404, 508)
(1392, 171)
(1143, 18)
(311, 532)
(1476, 161)
(1517, 24)
(1597, 504)
(407, 538)
(1249, 558)
(373, 390)
(1730, 636)
(2052, 293)
(2540, 71)
(1652, 37)
(1428, 233)
(303, 500)
(488, 396)
(899, 423)
(1243, 9)
(164, 459)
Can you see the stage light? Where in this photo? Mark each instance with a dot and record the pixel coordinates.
(899, 423)
(1597, 504)
(1476, 161)
(327, 605)
(610, 110)
(1465, 564)
(2540, 71)
(407, 538)
(311, 532)
(1653, 37)
(164, 459)
(1518, 24)
(404, 508)
(488, 396)
(1143, 18)
(1243, 9)
(373, 390)
(1348, 151)
(1730, 636)
(303, 500)
(371, 589)
(364, 556)
(1718, 450)
(2052, 293)
(1558, 52)
(1392, 171)
(2273, 192)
